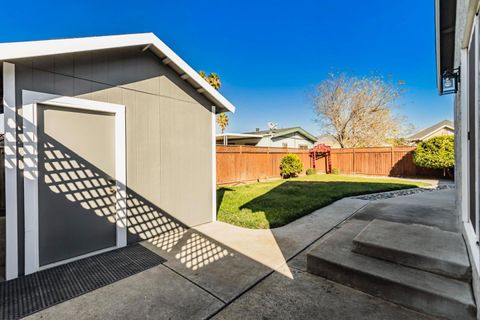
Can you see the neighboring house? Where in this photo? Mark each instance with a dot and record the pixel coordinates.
(458, 47)
(278, 138)
(332, 142)
(328, 140)
(116, 137)
(443, 128)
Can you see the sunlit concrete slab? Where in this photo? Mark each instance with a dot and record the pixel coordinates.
(436, 209)
(226, 260)
(417, 246)
(157, 293)
(212, 265)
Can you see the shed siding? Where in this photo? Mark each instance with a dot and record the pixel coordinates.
(168, 125)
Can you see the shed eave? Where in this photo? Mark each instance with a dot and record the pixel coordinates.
(29, 49)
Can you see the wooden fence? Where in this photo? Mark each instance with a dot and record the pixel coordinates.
(246, 163)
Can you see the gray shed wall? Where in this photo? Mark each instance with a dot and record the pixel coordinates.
(168, 128)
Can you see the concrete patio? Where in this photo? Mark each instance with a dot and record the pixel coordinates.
(222, 271)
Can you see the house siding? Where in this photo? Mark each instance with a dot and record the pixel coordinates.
(168, 131)
(441, 132)
(292, 141)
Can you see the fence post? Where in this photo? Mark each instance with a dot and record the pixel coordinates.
(353, 159)
(272, 170)
(391, 160)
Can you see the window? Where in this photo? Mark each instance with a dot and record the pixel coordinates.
(285, 145)
(303, 146)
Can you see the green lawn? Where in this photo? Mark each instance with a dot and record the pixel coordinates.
(275, 203)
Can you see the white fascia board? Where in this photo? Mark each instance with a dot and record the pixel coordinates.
(29, 49)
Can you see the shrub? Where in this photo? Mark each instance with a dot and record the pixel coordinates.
(335, 171)
(290, 165)
(435, 153)
(310, 171)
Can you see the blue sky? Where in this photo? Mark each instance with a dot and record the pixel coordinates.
(269, 54)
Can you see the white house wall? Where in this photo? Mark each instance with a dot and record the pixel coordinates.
(462, 172)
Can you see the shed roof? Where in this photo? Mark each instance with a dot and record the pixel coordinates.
(420, 135)
(29, 49)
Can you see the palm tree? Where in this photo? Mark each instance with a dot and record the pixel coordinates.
(214, 80)
(222, 121)
(203, 75)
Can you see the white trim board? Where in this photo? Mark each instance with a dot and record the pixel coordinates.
(463, 134)
(10, 144)
(475, 43)
(214, 166)
(29, 49)
(30, 101)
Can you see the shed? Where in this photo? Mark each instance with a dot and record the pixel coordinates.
(99, 138)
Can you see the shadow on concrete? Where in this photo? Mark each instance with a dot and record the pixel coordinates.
(68, 181)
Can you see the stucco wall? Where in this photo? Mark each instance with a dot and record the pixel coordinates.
(168, 125)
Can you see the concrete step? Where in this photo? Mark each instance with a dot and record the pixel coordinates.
(417, 246)
(416, 289)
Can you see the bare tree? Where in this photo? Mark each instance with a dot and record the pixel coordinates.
(357, 112)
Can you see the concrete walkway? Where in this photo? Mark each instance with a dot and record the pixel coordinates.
(229, 272)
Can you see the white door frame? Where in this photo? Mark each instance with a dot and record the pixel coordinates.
(475, 43)
(467, 225)
(10, 145)
(30, 101)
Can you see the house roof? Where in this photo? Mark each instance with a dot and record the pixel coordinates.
(286, 131)
(238, 136)
(29, 49)
(420, 135)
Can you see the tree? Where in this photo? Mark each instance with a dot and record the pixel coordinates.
(222, 121)
(357, 112)
(436, 153)
(213, 79)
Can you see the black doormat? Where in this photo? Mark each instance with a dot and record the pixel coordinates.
(26, 295)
